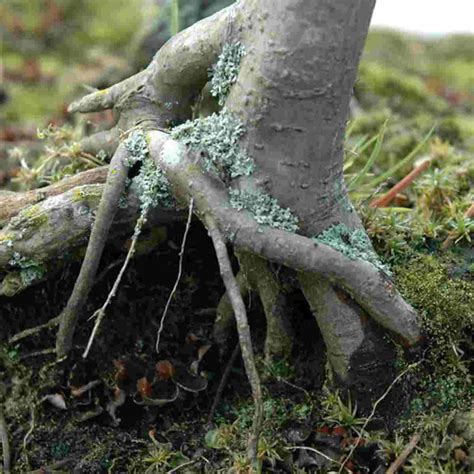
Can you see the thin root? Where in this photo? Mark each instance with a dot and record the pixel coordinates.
(5, 443)
(374, 408)
(223, 382)
(180, 271)
(32, 331)
(233, 291)
(29, 433)
(100, 313)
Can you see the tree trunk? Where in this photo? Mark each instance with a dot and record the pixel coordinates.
(292, 96)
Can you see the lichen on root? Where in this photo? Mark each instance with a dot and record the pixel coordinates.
(152, 186)
(264, 209)
(216, 138)
(226, 70)
(353, 243)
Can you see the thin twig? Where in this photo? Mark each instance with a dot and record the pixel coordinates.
(42, 352)
(235, 297)
(5, 443)
(290, 448)
(32, 331)
(100, 313)
(374, 408)
(53, 467)
(29, 433)
(187, 463)
(387, 198)
(178, 277)
(401, 459)
(222, 383)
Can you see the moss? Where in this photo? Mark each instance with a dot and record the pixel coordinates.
(34, 216)
(446, 306)
(224, 73)
(265, 209)
(89, 195)
(353, 243)
(216, 138)
(450, 131)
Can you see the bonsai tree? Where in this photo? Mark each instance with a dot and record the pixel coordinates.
(240, 120)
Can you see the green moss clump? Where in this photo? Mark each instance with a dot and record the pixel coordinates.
(265, 209)
(217, 137)
(224, 73)
(353, 243)
(34, 216)
(446, 307)
(402, 92)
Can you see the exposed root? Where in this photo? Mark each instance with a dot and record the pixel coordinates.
(32, 331)
(369, 286)
(278, 340)
(13, 203)
(243, 329)
(107, 141)
(43, 352)
(100, 313)
(107, 209)
(224, 323)
(28, 434)
(5, 443)
(178, 278)
(222, 383)
(355, 349)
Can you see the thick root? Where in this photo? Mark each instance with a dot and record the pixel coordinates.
(361, 358)
(278, 339)
(243, 330)
(370, 287)
(107, 209)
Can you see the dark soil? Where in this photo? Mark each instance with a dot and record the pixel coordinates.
(84, 437)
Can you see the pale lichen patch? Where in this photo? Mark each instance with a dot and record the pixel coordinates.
(172, 153)
(265, 209)
(353, 243)
(216, 138)
(151, 182)
(224, 73)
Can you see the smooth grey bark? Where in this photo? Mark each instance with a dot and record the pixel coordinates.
(292, 95)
